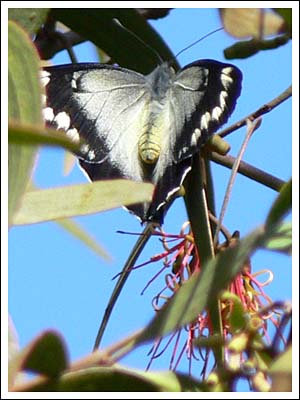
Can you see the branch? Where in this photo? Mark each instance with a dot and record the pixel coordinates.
(249, 171)
(261, 111)
(251, 128)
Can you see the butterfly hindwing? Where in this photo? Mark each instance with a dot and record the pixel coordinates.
(206, 92)
(144, 128)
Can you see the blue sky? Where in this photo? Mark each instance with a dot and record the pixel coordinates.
(56, 282)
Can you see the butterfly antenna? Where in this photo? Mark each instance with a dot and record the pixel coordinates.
(199, 40)
(115, 20)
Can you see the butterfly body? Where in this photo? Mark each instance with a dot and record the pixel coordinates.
(141, 127)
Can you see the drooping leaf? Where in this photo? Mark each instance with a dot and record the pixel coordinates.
(85, 237)
(24, 105)
(281, 206)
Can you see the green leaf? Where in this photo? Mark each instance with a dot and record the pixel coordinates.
(73, 228)
(45, 355)
(100, 26)
(283, 363)
(68, 201)
(76, 230)
(116, 379)
(248, 48)
(97, 379)
(281, 239)
(281, 206)
(24, 105)
(168, 381)
(28, 135)
(30, 19)
(201, 290)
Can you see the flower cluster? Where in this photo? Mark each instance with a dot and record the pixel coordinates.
(245, 311)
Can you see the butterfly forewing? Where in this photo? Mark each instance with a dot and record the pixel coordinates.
(97, 101)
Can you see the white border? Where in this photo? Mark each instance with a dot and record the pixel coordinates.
(4, 241)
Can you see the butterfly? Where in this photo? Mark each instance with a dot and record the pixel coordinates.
(141, 127)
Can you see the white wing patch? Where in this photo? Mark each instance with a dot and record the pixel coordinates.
(205, 119)
(226, 79)
(45, 77)
(48, 114)
(223, 96)
(73, 135)
(216, 113)
(62, 120)
(74, 83)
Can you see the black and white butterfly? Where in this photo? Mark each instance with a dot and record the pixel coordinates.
(141, 127)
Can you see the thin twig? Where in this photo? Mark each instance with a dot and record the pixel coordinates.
(252, 126)
(261, 111)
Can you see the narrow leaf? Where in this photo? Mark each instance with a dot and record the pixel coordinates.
(76, 230)
(26, 134)
(281, 239)
(24, 105)
(281, 206)
(51, 204)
